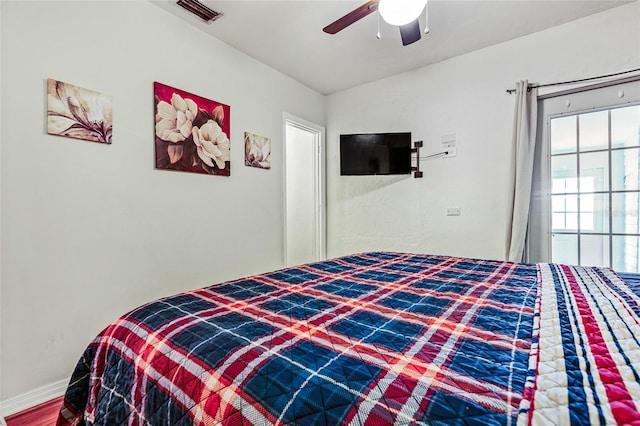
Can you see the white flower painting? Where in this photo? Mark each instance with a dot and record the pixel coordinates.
(257, 151)
(212, 143)
(192, 132)
(78, 113)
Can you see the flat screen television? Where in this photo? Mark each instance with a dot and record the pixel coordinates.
(375, 154)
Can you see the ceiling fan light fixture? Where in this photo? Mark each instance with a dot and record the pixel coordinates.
(400, 12)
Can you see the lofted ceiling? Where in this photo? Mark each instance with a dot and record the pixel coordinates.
(287, 35)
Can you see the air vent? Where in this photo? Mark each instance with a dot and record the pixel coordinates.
(200, 9)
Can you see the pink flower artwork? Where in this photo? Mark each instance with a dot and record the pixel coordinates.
(192, 133)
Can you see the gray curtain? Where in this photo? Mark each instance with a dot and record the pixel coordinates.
(523, 146)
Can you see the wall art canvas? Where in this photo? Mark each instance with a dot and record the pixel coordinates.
(257, 151)
(78, 113)
(192, 133)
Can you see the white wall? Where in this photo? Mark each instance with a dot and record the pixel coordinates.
(466, 96)
(90, 231)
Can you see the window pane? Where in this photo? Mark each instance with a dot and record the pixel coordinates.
(563, 135)
(564, 218)
(594, 130)
(587, 184)
(624, 166)
(559, 221)
(587, 202)
(625, 126)
(625, 213)
(564, 248)
(595, 165)
(625, 254)
(571, 185)
(558, 186)
(558, 203)
(594, 213)
(564, 173)
(586, 222)
(594, 250)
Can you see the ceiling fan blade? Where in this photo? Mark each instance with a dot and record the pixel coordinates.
(351, 17)
(410, 33)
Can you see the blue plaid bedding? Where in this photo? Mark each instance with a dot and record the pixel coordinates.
(375, 338)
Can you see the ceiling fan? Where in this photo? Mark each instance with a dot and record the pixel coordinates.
(402, 13)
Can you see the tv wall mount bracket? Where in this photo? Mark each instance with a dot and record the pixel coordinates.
(416, 150)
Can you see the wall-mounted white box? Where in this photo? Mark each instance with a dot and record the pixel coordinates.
(449, 145)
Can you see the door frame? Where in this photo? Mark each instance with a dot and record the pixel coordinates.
(592, 98)
(319, 195)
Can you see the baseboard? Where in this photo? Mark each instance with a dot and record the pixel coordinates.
(32, 398)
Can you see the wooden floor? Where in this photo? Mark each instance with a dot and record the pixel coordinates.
(41, 415)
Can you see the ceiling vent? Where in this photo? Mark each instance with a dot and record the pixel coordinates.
(200, 9)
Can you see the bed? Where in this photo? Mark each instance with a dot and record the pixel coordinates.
(373, 339)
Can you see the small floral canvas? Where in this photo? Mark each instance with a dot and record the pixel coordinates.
(257, 151)
(192, 133)
(78, 113)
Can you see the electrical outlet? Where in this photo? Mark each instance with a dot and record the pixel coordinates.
(453, 211)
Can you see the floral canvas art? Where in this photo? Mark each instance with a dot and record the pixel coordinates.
(192, 133)
(257, 151)
(78, 113)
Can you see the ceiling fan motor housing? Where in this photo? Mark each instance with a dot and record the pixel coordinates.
(400, 12)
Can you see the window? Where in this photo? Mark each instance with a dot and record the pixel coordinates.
(595, 188)
(586, 195)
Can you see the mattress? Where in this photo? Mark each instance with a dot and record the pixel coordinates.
(375, 338)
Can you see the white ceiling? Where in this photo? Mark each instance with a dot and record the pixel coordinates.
(288, 36)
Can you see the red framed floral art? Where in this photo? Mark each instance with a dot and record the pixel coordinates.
(191, 132)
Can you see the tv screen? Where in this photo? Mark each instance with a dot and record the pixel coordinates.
(375, 154)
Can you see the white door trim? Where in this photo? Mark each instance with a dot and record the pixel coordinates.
(319, 181)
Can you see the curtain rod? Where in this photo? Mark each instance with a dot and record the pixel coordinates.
(511, 91)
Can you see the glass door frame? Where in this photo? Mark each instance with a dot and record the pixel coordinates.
(623, 92)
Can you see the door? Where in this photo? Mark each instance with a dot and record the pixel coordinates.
(304, 191)
(589, 193)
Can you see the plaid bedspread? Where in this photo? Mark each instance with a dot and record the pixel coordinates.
(375, 338)
(585, 361)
